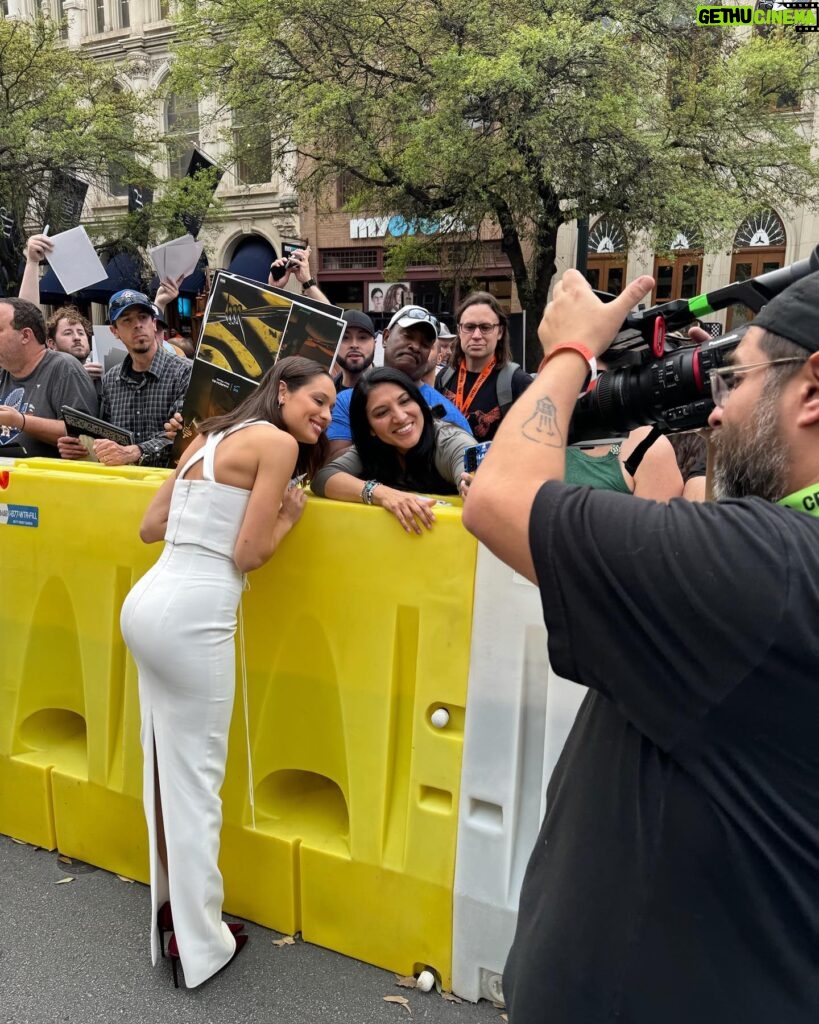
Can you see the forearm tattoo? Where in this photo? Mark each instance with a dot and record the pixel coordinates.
(542, 424)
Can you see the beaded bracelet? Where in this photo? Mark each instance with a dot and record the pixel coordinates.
(367, 491)
(23, 427)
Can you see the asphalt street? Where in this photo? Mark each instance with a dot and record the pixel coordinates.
(75, 947)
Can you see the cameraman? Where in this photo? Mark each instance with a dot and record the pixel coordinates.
(676, 876)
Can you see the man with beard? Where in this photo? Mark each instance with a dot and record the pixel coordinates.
(676, 876)
(357, 348)
(408, 341)
(139, 394)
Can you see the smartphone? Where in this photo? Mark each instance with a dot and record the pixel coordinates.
(277, 273)
(474, 456)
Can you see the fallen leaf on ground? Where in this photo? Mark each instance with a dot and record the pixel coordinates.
(405, 982)
(288, 940)
(122, 878)
(65, 860)
(451, 997)
(401, 1002)
(504, 1017)
(62, 881)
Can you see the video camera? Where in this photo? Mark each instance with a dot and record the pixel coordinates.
(670, 390)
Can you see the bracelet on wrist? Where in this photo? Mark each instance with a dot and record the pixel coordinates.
(367, 491)
(311, 282)
(583, 351)
(23, 424)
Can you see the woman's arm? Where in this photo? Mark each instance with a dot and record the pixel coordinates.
(272, 510)
(450, 445)
(155, 520)
(346, 464)
(658, 476)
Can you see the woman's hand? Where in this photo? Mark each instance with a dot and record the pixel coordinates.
(293, 504)
(173, 426)
(464, 482)
(411, 511)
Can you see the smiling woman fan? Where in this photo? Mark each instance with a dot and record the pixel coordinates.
(398, 448)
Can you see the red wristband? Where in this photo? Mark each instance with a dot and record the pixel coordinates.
(581, 350)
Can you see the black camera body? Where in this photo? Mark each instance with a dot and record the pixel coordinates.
(672, 393)
(671, 390)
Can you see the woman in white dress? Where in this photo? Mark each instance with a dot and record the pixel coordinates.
(222, 514)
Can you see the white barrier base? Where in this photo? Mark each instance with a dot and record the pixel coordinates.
(518, 715)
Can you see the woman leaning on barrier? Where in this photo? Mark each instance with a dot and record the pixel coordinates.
(223, 513)
(399, 448)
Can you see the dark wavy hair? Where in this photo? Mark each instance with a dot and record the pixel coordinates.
(380, 460)
(503, 353)
(295, 372)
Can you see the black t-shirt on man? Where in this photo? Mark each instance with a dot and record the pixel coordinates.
(484, 413)
(676, 876)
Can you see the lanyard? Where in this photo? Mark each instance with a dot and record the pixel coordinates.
(464, 406)
(806, 500)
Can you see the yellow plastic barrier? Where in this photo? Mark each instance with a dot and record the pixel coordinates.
(69, 767)
(355, 633)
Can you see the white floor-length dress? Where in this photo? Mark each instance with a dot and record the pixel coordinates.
(179, 623)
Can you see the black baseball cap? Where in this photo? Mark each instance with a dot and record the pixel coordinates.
(794, 313)
(355, 318)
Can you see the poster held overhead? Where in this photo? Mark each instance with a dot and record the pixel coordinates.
(247, 326)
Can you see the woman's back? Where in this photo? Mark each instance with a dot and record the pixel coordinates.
(211, 493)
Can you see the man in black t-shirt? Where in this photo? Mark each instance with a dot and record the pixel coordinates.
(676, 876)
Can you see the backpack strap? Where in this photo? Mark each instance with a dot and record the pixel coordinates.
(632, 463)
(504, 389)
(443, 378)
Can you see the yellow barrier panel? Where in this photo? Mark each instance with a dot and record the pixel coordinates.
(355, 634)
(68, 723)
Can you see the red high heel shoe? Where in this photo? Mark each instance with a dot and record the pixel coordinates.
(164, 922)
(173, 954)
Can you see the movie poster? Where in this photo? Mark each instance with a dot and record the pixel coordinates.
(389, 297)
(248, 326)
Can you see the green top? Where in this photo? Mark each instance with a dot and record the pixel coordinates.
(601, 471)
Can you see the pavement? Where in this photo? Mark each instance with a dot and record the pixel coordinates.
(75, 947)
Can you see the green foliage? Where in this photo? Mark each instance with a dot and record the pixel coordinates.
(523, 115)
(59, 111)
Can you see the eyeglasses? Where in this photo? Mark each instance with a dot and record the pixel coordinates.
(471, 328)
(417, 313)
(726, 378)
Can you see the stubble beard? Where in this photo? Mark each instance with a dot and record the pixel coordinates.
(753, 460)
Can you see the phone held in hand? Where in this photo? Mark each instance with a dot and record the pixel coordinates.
(475, 455)
(277, 273)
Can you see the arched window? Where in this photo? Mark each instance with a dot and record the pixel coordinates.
(759, 246)
(680, 276)
(607, 256)
(182, 126)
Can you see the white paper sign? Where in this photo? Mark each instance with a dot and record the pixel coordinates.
(177, 258)
(74, 260)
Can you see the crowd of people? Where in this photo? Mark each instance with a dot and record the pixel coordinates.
(676, 875)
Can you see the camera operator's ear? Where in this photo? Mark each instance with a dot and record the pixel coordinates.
(808, 414)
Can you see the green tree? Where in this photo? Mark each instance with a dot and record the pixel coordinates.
(528, 114)
(60, 112)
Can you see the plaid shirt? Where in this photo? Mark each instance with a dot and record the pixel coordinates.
(143, 402)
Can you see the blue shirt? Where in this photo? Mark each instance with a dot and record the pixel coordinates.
(339, 429)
